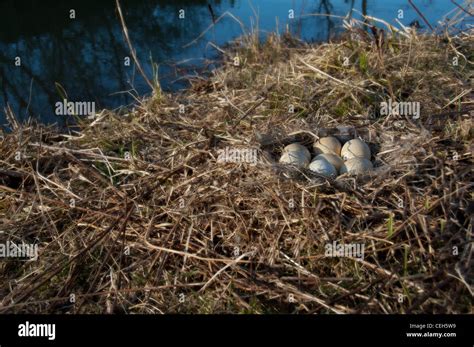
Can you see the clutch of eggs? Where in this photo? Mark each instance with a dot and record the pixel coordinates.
(331, 157)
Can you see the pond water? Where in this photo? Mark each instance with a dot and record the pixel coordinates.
(44, 52)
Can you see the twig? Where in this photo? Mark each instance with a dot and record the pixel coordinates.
(421, 14)
(129, 43)
(462, 8)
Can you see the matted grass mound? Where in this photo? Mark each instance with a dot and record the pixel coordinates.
(141, 212)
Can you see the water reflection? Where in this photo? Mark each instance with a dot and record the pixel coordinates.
(86, 55)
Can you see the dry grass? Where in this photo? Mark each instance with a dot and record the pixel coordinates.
(134, 214)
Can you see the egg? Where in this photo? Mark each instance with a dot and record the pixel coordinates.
(335, 160)
(296, 147)
(356, 166)
(323, 167)
(327, 144)
(295, 154)
(355, 149)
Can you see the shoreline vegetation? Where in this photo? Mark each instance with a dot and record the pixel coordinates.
(133, 212)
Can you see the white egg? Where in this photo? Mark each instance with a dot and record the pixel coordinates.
(327, 145)
(356, 166)
(335, 160)
(355, 149)
(323, 167)
(297, 158)
(296, 147)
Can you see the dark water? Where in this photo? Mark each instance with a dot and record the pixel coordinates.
(85, 55)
